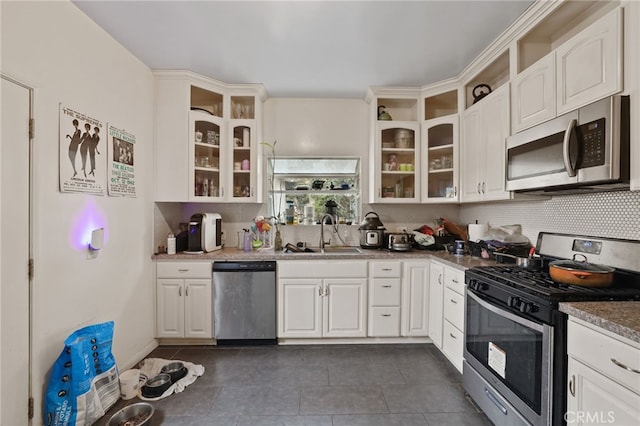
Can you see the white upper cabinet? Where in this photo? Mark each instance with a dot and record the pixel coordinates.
(589, 65)
(533, 94)
(567, 63)
(395, 146)
(206, 138)
(484, 129)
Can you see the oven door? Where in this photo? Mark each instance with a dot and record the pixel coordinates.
(512, 354)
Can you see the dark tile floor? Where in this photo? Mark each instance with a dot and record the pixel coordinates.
(344, 385)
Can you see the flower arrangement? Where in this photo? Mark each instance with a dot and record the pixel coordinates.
(277, 214)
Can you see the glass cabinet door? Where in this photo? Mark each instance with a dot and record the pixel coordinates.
(206, 156)
(439, 160)
(244, 160)
(398, 145)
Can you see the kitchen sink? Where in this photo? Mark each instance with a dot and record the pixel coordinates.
(342, 250)
(328, 250)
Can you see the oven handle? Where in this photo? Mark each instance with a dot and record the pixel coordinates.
(496, 310)
(495, 401)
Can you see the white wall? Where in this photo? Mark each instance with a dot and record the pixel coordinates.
(67, 58)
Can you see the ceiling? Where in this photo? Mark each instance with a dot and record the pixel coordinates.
(308, 49)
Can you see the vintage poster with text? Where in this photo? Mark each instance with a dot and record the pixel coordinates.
(122, 170)
(81, 164)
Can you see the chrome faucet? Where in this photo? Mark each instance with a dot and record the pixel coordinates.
(333, 222)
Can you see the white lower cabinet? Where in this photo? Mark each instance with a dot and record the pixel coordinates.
(183, 300)
(446, 311)
(415, 298)
(603, 375)
(436, 295)
(384, 299)
(322, 299)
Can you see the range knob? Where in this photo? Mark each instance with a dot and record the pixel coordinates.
(527, 307)
(514, 302)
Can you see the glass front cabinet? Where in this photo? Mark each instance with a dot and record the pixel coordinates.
(395, 166)
(439, 160)
(219, 162)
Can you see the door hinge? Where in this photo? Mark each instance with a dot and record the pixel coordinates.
(30, 269)
(30, 408)
(31, 128)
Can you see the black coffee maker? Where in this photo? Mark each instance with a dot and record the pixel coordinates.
(195, 233)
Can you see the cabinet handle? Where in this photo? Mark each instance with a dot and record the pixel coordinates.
(326, 290)
(452, 336)
(478, 188)
(386, 269)
(379, 193)
(439, 278)
(252, 191)
(386, 286)
(180, 291)
(572, 385)
(484, 185)
(183, 270)
(454, 280)
(386, 315)
(319, 290)
(222, 191)
(455, 302)
(186, 291)
(455, 191)
(621, 365)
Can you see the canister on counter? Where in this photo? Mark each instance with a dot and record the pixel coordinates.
(459, 247)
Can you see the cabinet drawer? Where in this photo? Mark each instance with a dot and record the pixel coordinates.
(599, 351)
(322, 268)
(384, 322)
(384, 291)
(452, 344)
(183, 270)
(454, 308)
(454, 279)
(384, 269)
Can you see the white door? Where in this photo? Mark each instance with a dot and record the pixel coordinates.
(471, 154)
(197, 308)
(436, 310)
(415, 298)
(344, 307)
(300, 308)
(496, 122)
(170, 307)
(15, 253)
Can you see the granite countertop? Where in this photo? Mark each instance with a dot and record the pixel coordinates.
(622, 318)
(459, 262)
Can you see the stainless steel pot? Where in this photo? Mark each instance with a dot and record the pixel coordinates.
(528, 263)
(371, 231)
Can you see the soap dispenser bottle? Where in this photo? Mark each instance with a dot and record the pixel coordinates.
(247, 240)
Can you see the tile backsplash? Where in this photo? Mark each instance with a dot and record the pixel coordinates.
(607, 214)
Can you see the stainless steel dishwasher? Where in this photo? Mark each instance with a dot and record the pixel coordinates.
(244, 303)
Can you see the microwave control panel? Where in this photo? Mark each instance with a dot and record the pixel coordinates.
(592, 144)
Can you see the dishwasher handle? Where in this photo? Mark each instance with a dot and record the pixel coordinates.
(233, 266)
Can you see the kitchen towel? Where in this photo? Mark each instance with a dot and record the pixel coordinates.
(150, 367)
(478, 231)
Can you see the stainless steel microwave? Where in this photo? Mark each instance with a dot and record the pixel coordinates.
(586, 150)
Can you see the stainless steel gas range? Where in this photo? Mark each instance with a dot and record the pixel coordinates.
(515, 365)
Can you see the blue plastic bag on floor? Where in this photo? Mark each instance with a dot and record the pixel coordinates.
(84, 380)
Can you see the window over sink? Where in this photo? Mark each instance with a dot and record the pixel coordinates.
(304, 188)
